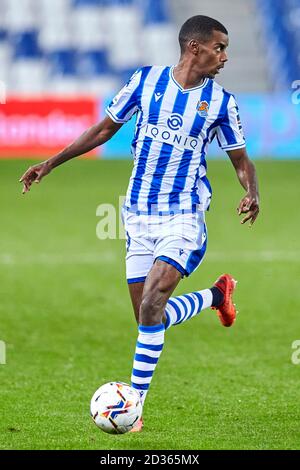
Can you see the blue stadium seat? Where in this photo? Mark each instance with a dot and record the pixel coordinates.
(25, 45)
(292, 4)
(84, 3)
(120, 2)
(155, 11)
(81, 41)
(3, 34)
(62, 62)
(283, 37)
(92, 63)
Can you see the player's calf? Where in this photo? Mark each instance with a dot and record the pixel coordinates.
(159, 285)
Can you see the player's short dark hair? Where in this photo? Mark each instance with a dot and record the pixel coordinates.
(199, 27)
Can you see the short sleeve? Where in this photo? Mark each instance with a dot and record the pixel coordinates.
(125, 103)
(230, 132)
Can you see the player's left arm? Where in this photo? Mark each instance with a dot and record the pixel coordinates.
(246, 174)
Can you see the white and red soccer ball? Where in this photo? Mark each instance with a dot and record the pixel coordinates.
(116, 407)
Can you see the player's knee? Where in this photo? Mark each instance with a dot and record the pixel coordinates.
(164, 286)
(166, 277)
(151, 310)
(156, 293)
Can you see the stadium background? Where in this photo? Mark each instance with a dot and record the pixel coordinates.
(65, 313)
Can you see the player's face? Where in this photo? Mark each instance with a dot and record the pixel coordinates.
(212, 54)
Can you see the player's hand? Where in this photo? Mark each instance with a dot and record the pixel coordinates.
(34, 174)
(249, 205)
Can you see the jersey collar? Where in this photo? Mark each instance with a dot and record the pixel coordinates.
(186, 90)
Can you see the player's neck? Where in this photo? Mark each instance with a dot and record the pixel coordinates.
(187, 77)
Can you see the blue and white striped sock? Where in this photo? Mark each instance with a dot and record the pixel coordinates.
(149, 346)
(182, 308)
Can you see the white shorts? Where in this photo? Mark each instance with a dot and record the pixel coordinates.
(178, 239)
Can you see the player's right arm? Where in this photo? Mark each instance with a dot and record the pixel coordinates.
(121, 109)
(90, 139)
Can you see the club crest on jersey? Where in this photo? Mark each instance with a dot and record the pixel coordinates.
(202, 108)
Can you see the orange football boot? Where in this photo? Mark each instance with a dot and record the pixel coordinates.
(226, 311)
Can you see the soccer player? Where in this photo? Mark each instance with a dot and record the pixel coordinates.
(179, 111)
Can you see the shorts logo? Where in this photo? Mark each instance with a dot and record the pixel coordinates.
(202, 108)
(175, 122)
(181, 251)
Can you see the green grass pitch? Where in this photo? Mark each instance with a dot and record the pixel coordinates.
(67, 322)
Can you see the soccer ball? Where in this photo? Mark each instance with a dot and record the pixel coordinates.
(116, 407)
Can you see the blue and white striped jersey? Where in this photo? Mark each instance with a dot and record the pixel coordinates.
(173, 129)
